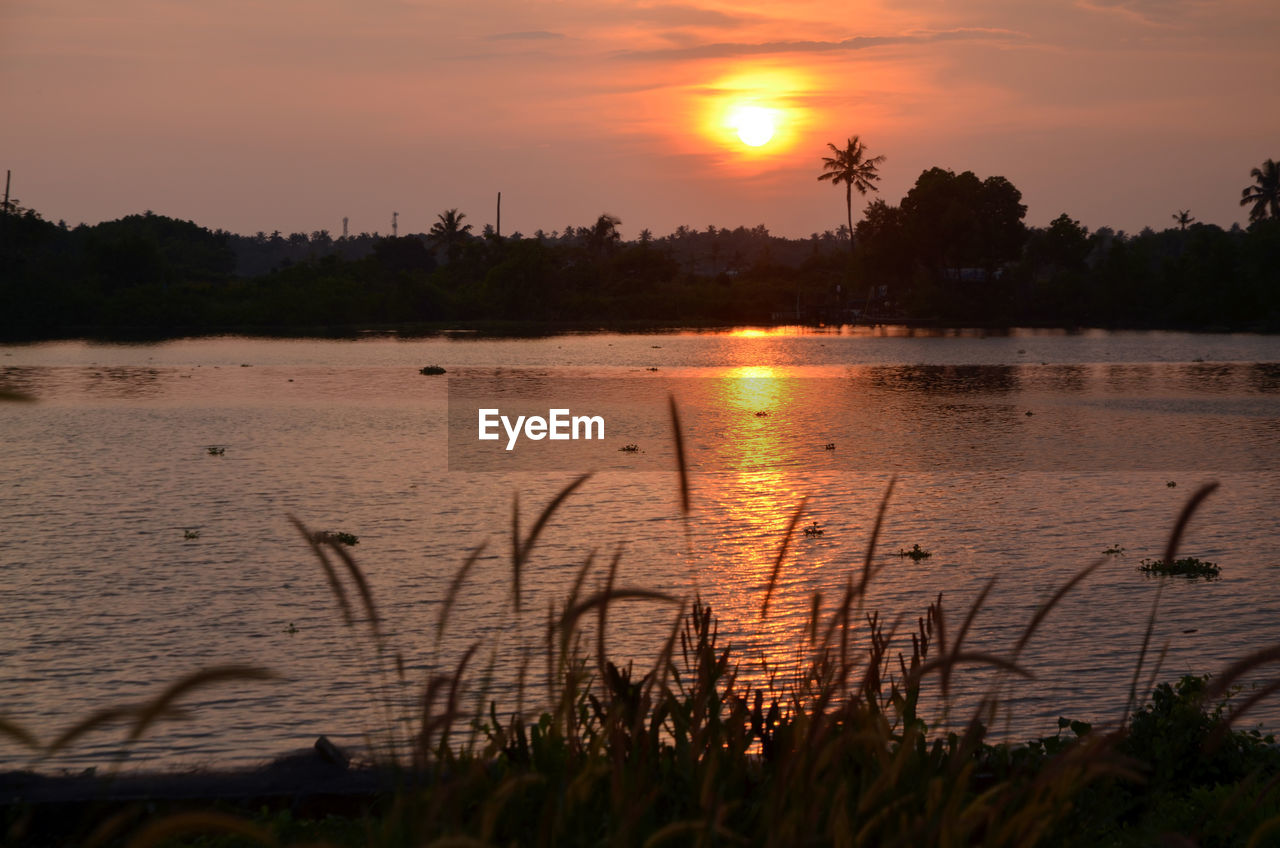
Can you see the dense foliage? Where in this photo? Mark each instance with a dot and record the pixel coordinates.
(954, 251)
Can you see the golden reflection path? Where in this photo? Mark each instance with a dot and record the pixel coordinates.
(758, 454)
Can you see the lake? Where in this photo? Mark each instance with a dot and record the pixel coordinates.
(131, 555)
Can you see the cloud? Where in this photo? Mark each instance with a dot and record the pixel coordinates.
(725, 50)
(674, 14)
(1154, 12)
(531, 35)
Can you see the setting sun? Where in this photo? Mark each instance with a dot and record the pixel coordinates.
(759, 114)
(755, 125)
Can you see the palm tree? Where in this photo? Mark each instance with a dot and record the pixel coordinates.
(1265, 196)
(449, 232)
(1184, 218)
(849, 166)
(603, 235)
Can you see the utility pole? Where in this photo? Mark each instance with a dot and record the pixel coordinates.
(498, 228)
(344, 226)
(7, 176)
(395, 225)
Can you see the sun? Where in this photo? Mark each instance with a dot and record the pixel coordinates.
(755, 115)
(755, 125)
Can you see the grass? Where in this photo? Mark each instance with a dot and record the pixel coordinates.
(1192, 567)
(858, 746)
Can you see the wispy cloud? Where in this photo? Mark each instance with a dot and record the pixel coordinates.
(1151, 12)
(530, 35)
(676, 14)
(725, 50)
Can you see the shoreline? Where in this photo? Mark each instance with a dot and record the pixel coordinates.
(543, 329)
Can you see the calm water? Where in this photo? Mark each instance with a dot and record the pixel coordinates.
(106, 600)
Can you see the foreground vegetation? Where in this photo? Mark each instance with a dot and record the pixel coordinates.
(852, 749)
(954, 250)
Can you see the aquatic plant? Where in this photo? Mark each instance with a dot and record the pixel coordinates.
(336, 537)
(1114, 550)
(916, 553)
(829, 446)
(813, 530)
(191, 534)
(629, 448)
(431, 370)
(1192, 567)
(216, 450)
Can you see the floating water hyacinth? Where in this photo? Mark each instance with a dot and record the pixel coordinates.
(1192, 567)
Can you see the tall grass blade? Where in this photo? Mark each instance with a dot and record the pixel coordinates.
(362, 586)
(17, 733)
(1184, 517)
(110, 715)
(148, 713)
(1042, 612)
(455, 586)
(1221, 684)
(663, 665)
(603, 611)
(682, 465)
(782, 553)
(1170, 555)
(569, 621)
(330, 573)
(520, 550)
(867, 570)
(515, 550)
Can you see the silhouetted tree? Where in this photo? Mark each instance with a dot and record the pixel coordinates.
(851, 167)
(449, 232)
(403, 254)
(603, 235)
(1265, 195)
(1184, 218)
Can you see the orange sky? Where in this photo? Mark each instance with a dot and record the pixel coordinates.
(290, 115)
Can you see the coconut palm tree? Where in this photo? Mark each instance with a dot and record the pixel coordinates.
(851, 167)
(604, 235)
(1184, 218)
(1265, 195)
(449, 231)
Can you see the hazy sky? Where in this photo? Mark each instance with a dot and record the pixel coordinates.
(289, 115)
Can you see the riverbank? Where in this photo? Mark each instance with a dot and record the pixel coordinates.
(546, 329)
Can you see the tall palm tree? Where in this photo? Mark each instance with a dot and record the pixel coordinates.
(1265, 196)
(851, 167)
(449, 232)
(604, 235)
(1184, 218)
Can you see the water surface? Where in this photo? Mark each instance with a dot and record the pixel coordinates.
(107, 599)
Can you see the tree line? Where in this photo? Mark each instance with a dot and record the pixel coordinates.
(954, 250)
